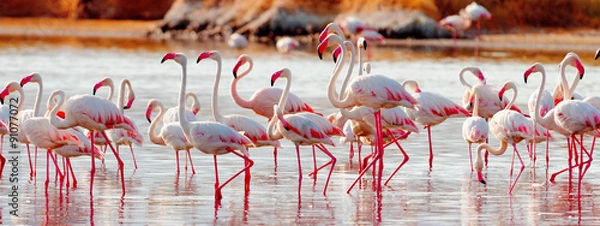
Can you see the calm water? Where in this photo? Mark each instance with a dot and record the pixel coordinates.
(448, 195)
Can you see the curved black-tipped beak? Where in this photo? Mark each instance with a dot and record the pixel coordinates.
(365, 45)
(525, 79)
(163, 60)
(126, 107)
(235, 74)
(272, 83)
(320, 55)
(1, 101)
(334, 58)
(482, 181)
(94, 92)
(149, 120)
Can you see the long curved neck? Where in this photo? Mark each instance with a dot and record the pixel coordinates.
(38, 99)
(360, 60)
(286, 91)
(233, 88)
(272, 123)
(331, 95)
(121, 96)
(152, 133)
(563, 81)
(183, 122)
(479, 161)
(111, 90)
(536, 109)
(22, 100)
(513, 99)
(215, 92)
(68, 122)
(350, 46)
(461, 77)
(476, 103)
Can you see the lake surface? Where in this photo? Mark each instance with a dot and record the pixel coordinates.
(448, 195)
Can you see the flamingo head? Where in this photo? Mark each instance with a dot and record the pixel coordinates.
(281, 73)
(362, 43)
(129, 103)
(104, 82)
(536, 67)
(237, 66)
(149, 110)
(331, 38)
(501, 92)
(180, 58)
(33, 77)
(10, 87)
(195, 103)
(336, 53)
(206, 55)
(573, 59)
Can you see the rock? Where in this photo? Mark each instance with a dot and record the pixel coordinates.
(403, 24)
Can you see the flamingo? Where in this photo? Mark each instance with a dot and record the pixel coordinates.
(41, 133)
(5, 114)
(558, 92)
(433, 109)
(329, 29)
(286, 44)
(508, 127)
(120, 136)
(468, 87)
(237, 41)
(456, 24)
(26, 114)
(476, 12)
(256, 132)
(210, 137)
(172, 114)
(68, 151)
(475, 129)
(97, 115)
(262, 101)
(298, 128)
(170, 133)
(372, 90)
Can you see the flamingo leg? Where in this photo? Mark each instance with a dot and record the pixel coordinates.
(31, 170)
(218, 195)
(590, 156)
(47, 181)
(520, 171)
(247, 164)
(580, 176)
(61, 175)
(299, 164)
(351, 153)
(406, 158)
(378, 155)
(275, 157)
(177, 160)
(93, 167)
(332, 161)
(324, 150)
(66, 170)
(430, 147)
(2, 158)
(314, 164)
(191, 163)
(133, 156)
(470, 156)
(547, 156)
(72, 172)
(120, 162)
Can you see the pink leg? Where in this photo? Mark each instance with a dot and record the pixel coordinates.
(191, 163)
(93, 167)
(332, 161)
(520, 171)
(406, 158)
(47, 172)
(31, 169)
(430, 147)
(60, 174)
(275, 157)
(580, 176)
(120, 162)
(2, 158)
(314, 164)
(351, 153)
(248, 163)
(324, 150)
(72, 172)
(133, 156)
(590, 156)
(378, 155)
(177, 160)
(218, 195)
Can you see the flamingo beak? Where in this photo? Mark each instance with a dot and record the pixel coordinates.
(149, 113)
(580, 69)
(275, 76)
(25, 80)
(203, 56)
(195, 111)
(97, 86)
(168, 56)
(129, 104)
(480, 178)
(336, 53)
(526, 75)
(323, 34)
(3, 95)
(321, 48)
(501, 93)
(236, 68)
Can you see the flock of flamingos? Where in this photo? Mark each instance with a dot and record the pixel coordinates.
(373, 109)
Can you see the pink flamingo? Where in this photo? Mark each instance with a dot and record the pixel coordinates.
(262, 101)
(433, 109)
(374, 91)
(210, 137)
(172, 114)
(170, 134)
(508, 127)
(476, 12)
(120, 136)
(558, 92)
(456, 24)
(26, 114)
(5, 114)
(97, 115)
(237, 41)
(286, 44)
(467, 97)
(256, 132)
(298, 128)
(475, 129)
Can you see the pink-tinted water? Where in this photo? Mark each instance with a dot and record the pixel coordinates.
(449, 194)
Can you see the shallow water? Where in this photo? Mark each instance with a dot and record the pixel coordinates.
(447, 195)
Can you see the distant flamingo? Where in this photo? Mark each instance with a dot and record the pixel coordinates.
(121, 136)
(286, 44)
(170, 134)
(262, 101)
(476, 12)
(298, 128)
(508, 127)
(256, 132)
(457, 24)
(26, 114)
(210, 137)
(172, 114)
(237, 41)
(475, 129)
(433, 109)
(374, 91)
(5, 114)
(97, 115)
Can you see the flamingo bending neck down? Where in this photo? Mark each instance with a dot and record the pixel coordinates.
(170, 134)
(210, 137)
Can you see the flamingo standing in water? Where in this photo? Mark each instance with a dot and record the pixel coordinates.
(286, 44)
(97, 115)
(372, 90)
(456, 24)
(172, 114)
(298, 128)
(29, 113)
(170, 134)
(467, 97)
(508, 127)
(475, 129)
(476, 12)
(256, 132)
(5, 114)
(210, 137)
(433, 109)
(121, 136)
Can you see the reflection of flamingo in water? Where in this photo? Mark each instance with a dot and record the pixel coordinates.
(210, 137)
(508, 127)
(374, 91)
(299, 128)
(170, 134)
(433, 109)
